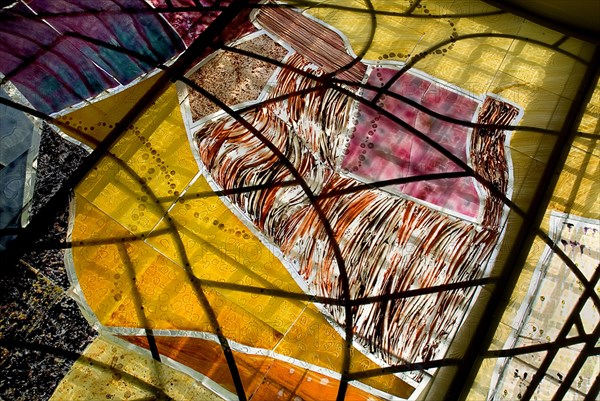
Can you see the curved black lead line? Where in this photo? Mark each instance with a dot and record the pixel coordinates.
(414, 60)
(393, 181)
(231, 191)
(541, 347)
(361, 10)
(344, 379)
(413, 6)
(54, 244)
(136, 297)
(342, 389)
(275, 292)
(331, 234)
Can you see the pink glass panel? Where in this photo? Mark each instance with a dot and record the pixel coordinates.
(381, 149)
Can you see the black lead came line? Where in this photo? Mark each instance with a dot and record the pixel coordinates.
(138, 301)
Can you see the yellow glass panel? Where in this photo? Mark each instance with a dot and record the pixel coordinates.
(220, 248)
(118, 279)
(96, 120)
(578, 188)
(107, 370)
(312, 341)
(146, 169)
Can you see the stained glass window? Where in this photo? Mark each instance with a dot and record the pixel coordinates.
(299, 200)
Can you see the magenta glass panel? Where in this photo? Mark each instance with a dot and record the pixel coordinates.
(381, 149)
